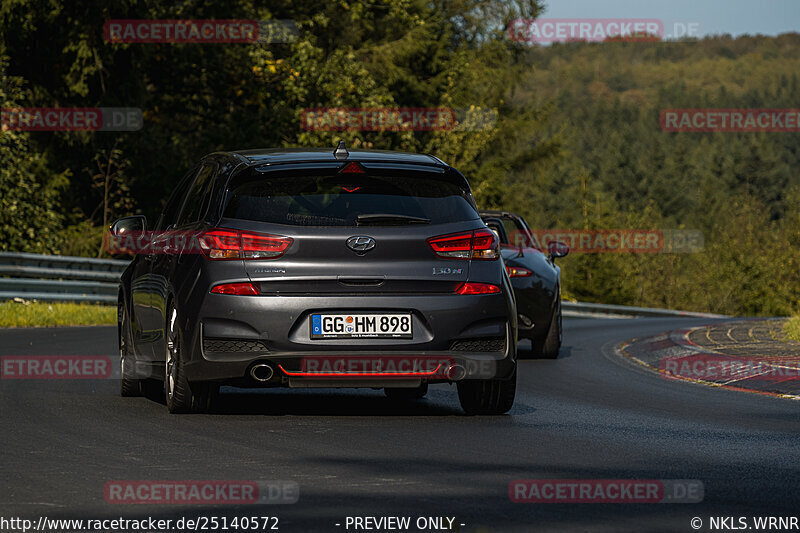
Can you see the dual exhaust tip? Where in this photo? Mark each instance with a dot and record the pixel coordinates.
(262, 372)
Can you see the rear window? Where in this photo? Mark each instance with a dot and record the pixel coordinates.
(340, 200)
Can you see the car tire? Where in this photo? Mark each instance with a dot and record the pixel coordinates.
(180, 395)
(487, 397)
(415, 393)
(551, 345)
(129, 384)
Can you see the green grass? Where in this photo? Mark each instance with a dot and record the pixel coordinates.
(792, 328)
(44, 314)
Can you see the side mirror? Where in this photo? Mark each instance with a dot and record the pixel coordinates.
(126, 225)
(557, 249)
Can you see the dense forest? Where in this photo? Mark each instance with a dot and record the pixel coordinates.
(577, 142)
(616, 168)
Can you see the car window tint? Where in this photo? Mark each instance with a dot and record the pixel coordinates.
(170, 213)
(338, 200)
(198, 197)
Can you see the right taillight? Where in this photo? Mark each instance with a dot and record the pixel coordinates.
(221, 244)
(480, 244)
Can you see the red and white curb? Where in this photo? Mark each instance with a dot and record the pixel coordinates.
(673, 350)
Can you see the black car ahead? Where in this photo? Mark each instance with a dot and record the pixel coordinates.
(536, 280)
(318, 268)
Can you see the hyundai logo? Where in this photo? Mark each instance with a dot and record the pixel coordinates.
(361, 244)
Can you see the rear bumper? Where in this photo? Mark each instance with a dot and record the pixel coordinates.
(535, 304)
(229, 334)
(374, 369)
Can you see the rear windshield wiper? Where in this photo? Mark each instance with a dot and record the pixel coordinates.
(389, 219)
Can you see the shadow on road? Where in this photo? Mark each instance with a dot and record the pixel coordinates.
(329, 403)
(440, 401)
(525, 351)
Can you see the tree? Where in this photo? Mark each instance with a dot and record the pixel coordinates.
(29, 190)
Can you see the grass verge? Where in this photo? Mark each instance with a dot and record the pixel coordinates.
(49, 314)
(792, 328)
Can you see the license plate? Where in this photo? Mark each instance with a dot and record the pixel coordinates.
(396, 325)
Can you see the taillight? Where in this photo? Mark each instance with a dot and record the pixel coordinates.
(239, 289)
(477, 288)
(517, 272)
(352, 168)
(485, 245)
(457, 246)
(480, 244)
(220, 244)
(261, 246)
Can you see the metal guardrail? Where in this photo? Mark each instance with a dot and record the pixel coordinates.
(82, 279)
(59, 278)
(591, 310)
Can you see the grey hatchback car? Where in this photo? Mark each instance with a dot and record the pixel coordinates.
(317, 268)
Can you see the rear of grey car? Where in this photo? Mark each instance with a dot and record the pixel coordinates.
(373, 270)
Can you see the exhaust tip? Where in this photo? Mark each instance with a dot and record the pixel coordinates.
(455, 372)
(261, 372)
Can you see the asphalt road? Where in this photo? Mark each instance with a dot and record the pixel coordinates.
(587, 415)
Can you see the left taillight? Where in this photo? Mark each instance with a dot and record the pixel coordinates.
(239, 289)
(221, 244)
(481, 244)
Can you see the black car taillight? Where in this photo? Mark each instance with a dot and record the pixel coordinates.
(480, 244)
(221, 244)
(518, 272)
